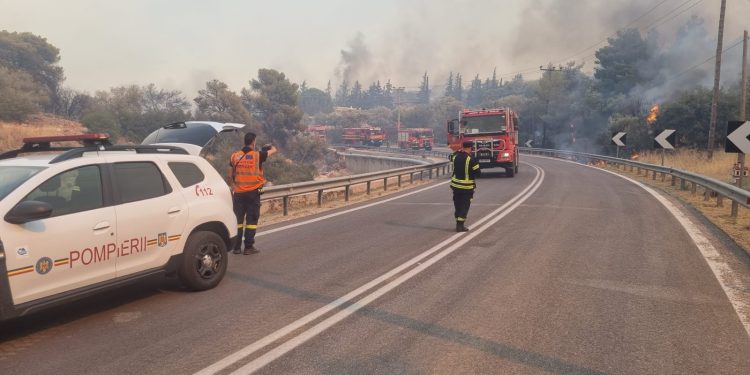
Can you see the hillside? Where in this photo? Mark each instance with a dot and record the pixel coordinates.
(12, 133)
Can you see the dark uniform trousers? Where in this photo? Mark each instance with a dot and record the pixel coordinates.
(461, 202)
(247, 210)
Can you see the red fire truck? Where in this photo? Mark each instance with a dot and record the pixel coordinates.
(416, 138)
(319, 131)
(494, 133)
(365, 136)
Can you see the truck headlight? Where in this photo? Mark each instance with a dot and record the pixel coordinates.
(506, 155)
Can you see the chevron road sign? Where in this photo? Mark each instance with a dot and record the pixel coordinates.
(619, 139)
(665, 139)
(528, 143)
(737, 137)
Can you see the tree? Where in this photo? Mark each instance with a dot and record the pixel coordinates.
(217, 103)
(475, 95)
(424, 90)
(449, 85)
(458, 91)
(274, 99)
(313, 101)
(102, 121)
(32, 54)
(619, 62)
(20, 95)
(342, 94)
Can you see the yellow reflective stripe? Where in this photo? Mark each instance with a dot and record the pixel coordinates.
(460, 219)
(240, 226)
(456, 180)
(466, 167)
(475, 167)
(462, 186)
(251, 226)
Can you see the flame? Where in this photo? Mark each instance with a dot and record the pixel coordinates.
(652, 114)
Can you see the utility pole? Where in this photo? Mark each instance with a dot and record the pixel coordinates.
(743, 117)
(717, 77)
(399, 91)
(549, 71)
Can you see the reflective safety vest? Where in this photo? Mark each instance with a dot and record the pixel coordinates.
(246, 171)
(463, 169)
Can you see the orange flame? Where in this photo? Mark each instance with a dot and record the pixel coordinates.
(652, 114)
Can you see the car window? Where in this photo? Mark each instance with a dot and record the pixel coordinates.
(12, 177)
(187, 173)
(140, 180)
(75, 190)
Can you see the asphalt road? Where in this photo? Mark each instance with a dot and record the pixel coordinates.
(567, 270)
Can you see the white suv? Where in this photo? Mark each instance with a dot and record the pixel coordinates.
(76, 220)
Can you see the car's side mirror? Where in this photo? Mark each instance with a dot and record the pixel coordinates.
(27, 211)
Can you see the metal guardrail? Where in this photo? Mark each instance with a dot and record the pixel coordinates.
(401, 151)
(722, 189)
(286, 191)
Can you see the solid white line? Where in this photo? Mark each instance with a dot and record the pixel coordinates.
(280, 333)
(735, 293)
(289, 345)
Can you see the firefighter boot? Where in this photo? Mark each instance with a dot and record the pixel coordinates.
(460, 227)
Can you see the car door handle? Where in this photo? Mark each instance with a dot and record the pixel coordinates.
(174, 210)
(102, 225)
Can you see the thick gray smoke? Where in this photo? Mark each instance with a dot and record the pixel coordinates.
(518, 37)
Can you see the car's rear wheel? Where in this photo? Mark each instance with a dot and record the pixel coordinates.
(204, 261)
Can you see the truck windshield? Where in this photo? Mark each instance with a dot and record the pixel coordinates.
(484, 124)
(12, 177)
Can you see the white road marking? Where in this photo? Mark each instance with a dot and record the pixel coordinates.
(422, 264)
(736, 294)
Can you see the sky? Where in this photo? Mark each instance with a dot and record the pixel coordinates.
(182, 44)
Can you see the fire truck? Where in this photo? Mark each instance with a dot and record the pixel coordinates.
(494, 134)
(364, 136)
(416, 138)
(319, 131)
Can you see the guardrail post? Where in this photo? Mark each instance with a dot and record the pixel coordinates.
(320, 198)
(706, 194)
(719, 200)
(346, 193)
(639, 171)
(735, 208)
(421, 175)
(693, 188)
(368, 187)
(399, 181)
(429, 174)
(673, 180)
(411, 178)
(385, 184)
(285, 201)
(683, 184)
(663, 176)
(654, 176)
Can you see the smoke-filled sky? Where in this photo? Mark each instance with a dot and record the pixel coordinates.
(181, 44)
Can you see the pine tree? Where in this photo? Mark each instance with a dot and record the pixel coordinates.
(449, 85)
(424, 90)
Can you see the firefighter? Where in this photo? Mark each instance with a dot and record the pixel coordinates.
(246, 173)
(465, 171)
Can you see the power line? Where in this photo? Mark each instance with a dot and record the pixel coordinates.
(708, 59)
(631, 23)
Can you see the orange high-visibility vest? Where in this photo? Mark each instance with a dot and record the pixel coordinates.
(247, 172)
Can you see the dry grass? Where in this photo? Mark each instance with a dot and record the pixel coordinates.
(12, 133)
(719, 167)
(717, 210)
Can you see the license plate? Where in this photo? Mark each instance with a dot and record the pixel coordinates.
(484, 160)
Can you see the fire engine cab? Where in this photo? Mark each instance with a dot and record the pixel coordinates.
(416, 138)
(494, 133)
(77, 219)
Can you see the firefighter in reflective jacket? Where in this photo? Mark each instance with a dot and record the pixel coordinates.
(465, 171)
(247, 180)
